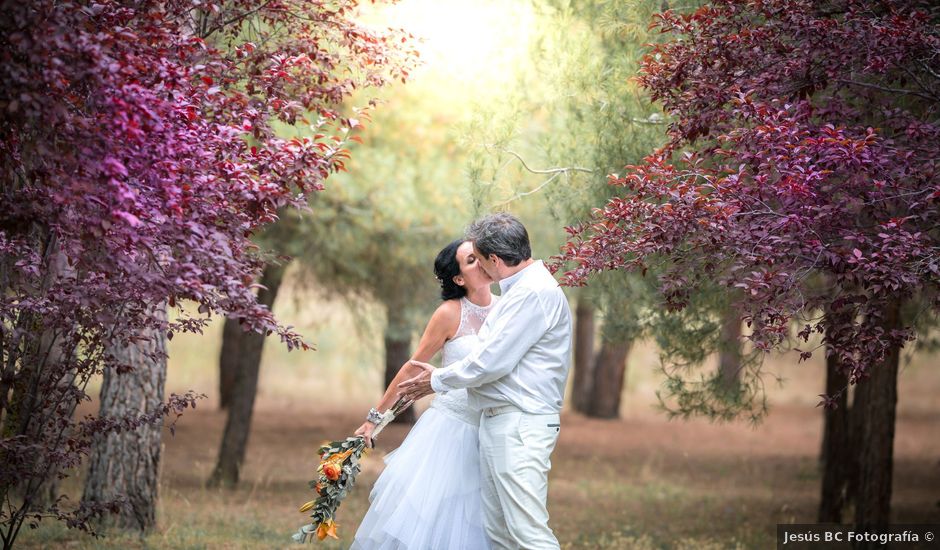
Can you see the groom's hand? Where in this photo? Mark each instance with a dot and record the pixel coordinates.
(419, 386)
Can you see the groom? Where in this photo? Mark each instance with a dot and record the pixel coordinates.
(516, 376)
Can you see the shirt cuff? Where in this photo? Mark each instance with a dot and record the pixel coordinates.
(436, 384)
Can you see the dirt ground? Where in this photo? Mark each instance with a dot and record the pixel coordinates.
(639, 482)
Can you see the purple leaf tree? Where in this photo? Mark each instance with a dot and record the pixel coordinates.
(802, 172)
(138, 155)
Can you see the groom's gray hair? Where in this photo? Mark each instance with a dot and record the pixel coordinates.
(501, 234)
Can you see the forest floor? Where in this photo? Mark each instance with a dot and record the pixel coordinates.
(638, 482)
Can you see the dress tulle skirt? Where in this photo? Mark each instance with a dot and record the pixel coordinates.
(428, 497)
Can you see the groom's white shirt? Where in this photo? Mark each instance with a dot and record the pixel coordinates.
(525, 348)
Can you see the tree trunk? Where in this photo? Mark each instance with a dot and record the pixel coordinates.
(41, 490)
(26, 412)
(397, 353)
(860, 399)
(228, 360)
(729, 355)
(583, 382)
(836, 454)
(875, 438)
(127, 464)
(609, 371)
(244, 389)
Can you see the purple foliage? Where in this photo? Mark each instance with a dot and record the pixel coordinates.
(802, 171)
(138, 157)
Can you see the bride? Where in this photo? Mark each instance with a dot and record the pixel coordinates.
(428, 496)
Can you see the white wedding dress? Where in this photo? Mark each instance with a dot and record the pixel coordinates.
(428, 497)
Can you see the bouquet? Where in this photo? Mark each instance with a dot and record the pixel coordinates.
(336, 474)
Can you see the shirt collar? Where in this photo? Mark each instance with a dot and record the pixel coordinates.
(509, 282)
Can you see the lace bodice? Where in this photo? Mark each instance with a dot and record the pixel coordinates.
(471, 317)
(464, 341)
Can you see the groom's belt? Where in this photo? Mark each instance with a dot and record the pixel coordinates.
(494, 411)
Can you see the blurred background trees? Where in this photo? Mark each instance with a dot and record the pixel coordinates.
(374, 235)
(521, 106)
(408, 205)
(577, 109)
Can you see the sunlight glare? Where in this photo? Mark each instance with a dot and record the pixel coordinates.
(467, 41)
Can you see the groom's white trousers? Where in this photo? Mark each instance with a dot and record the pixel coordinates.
(515, 450)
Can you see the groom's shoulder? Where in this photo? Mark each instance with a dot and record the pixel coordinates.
(545, 279)
(543, 283)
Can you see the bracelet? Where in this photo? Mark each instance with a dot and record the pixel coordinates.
(374, 416)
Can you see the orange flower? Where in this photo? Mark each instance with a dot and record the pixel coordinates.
(318, 488)
(337, 456)
(332, 470)
(341, 457)
(327, 529)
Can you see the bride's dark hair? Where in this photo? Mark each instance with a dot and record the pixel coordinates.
(446, 268)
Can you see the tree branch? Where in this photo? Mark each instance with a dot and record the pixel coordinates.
(931, 97)
(653, 119)
(555, 172)
(527, 193)
(235, 19)
(564, 169)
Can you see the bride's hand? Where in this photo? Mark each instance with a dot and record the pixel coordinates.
(366, 432)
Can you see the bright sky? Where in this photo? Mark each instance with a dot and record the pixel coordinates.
(466, 42)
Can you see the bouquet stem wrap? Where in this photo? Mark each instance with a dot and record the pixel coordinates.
(336, 475)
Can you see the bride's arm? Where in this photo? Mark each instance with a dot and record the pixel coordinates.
(443, 325)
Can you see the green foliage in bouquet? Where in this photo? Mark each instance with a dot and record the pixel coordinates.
(336, 474)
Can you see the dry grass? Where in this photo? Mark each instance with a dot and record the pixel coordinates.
(639, 482)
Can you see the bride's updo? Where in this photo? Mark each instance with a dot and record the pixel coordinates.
(446, 268)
